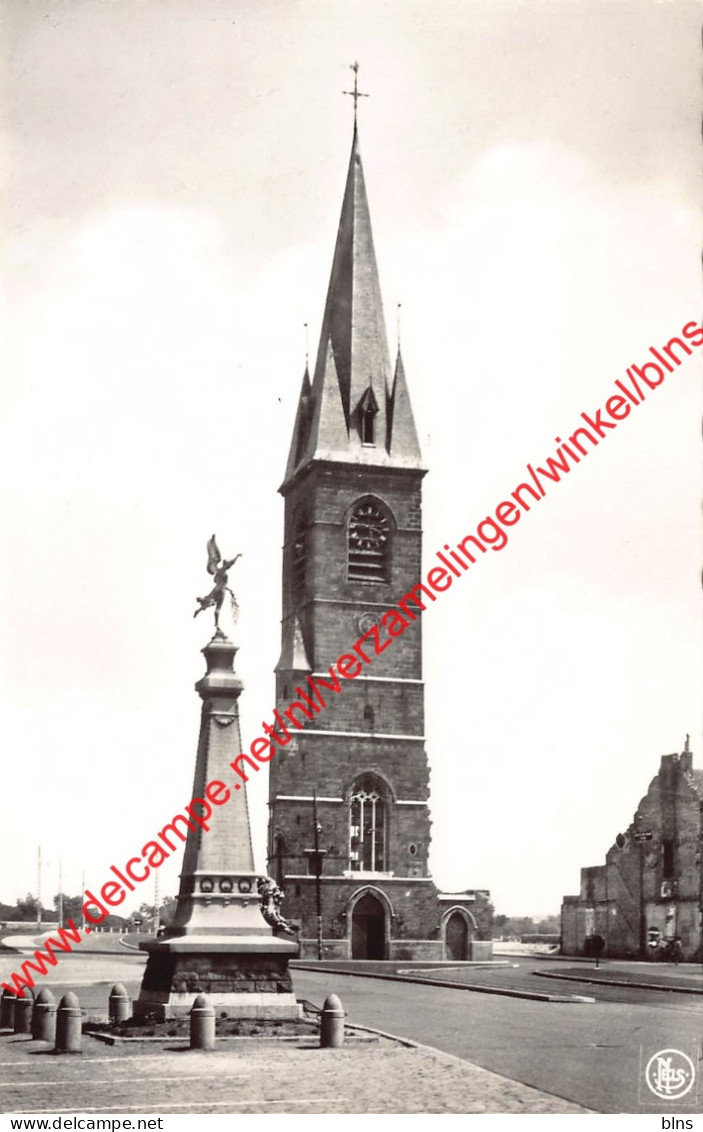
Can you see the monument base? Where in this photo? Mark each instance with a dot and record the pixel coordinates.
(243, 976)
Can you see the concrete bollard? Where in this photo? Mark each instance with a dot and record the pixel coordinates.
(202, 1024)
(7, 1010)
(68, 1025)
(23, 1012)
(119, 1004)
(332, 1023)
(44, 1017)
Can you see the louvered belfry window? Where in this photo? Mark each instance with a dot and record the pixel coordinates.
(368, 544)
(299, 556)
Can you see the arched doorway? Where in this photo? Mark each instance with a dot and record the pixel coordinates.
(369, 928)
(456, 937)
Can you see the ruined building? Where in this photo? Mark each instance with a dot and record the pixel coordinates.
(649, 891)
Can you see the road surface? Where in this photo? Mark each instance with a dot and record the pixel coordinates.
(589, 1053)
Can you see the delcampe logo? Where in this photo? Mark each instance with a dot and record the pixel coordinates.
(670, 1074)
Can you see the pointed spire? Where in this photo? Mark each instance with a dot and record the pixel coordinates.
(353, 357)
(402, 434)
(294, 657)
(301, 428)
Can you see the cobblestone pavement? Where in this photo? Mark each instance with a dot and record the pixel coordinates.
(252, 1077)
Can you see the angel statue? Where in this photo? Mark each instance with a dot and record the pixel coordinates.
(218, 567)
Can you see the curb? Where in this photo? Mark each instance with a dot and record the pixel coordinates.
(534, 996)
(618, 983)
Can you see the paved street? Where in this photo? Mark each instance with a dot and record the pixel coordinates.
(586, 1052)
(565, 978)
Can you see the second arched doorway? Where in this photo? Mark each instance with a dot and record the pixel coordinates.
(368, 928)
(457, 937)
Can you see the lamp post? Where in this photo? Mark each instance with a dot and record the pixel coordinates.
(640, 836)
(316, 857)
(700, 859)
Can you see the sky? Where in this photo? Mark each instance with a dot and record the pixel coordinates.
(172, 179)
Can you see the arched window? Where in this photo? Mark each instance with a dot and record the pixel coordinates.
(299, 554)
(368, 545)
(368, 825)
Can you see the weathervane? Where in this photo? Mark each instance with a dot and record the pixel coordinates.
(356, 94)
(218, 567)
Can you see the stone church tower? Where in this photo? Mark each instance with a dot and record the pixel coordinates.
(353, 545)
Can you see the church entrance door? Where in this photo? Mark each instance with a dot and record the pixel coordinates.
(369, 929)
(457, 937)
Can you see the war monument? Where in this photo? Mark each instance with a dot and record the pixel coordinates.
(228, 939)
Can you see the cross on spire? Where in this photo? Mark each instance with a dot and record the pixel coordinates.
(356, 94)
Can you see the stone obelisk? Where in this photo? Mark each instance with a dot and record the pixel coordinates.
(219, 942)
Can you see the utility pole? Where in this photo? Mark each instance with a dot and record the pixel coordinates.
(82, 900)
(315, 858)
(39, 888)
(700, 897)
(157, 902)
(640, 836)
(60, 893)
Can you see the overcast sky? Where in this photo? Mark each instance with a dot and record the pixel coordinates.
(174, 178)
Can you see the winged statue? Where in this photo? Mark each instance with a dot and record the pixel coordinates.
(218, 567)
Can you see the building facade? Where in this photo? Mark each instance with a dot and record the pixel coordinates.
(649, 891)
(356, 780)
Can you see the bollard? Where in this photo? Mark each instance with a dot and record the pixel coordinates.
(7, 1010)
(23, 1012)
(202, 1024)
(332, 1023)
(119, 1004)
(44, 1017)
(68, 1025)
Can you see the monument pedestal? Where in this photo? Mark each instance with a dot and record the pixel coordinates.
(219, 943)
(243, 978)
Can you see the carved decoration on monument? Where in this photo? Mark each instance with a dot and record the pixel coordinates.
(218, 567)
(271, 896)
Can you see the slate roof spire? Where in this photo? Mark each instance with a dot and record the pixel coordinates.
(352, 358)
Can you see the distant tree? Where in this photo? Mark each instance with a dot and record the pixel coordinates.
(72, 908)
(147, 912)
(525, 925)
(168, 910)
(549, 925)
(514, 925)
(27, 908)
(115, 923)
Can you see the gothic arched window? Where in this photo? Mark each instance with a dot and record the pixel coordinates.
(299, 554)
(368, 825)
(368, 544)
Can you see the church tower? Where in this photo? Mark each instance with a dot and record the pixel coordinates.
(355, 780)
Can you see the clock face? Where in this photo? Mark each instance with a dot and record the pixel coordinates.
(368, 529)
(369, 544)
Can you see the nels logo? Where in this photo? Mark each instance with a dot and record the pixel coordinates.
(670, 1074)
